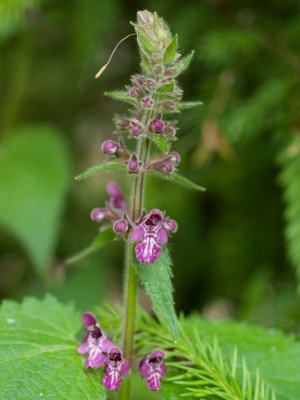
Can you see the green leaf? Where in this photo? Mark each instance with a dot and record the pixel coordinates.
(184, 63)
(168, 87)
(34, 178)
(156, 279)
(171, 51)
(120, 95)
(161, 142)
(38, 353)
(107, 167)
(186, 105)
(143, 40)
(106, 236)
(181, 180)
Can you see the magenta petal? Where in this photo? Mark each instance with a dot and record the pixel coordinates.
(145, 369)
(148, 251)
(95, 360)
(106, 345)
(153, 382)
(112, 381)
(113, 189)
(162, 236)
(84, 348)
(137, 234)
(124, 368)
(88, 320)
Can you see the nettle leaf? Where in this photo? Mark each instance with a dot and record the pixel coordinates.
(38, 353)
(142, 39)
(184, 63)
(186, 105)
(171, 51)
(181, 180)
(107, 167)
(34, 179)
(161, 142)
(121, 95)
(156, 279)
(168, 87)
(106, 236)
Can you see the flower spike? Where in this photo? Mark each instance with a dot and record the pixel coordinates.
(152, 369)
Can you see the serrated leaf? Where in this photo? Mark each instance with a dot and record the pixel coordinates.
(122, 96)
(143, 40)
(161, 142)
(38, 353)
(184, 62)
(186, 105)
(171, 51)
(156, 279)
(168, 87)
(107, 167)
(34, 178)
(181, 180)
(106, 236)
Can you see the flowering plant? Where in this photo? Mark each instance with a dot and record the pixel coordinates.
(155, 99)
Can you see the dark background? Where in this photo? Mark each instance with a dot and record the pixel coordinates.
(237, 251)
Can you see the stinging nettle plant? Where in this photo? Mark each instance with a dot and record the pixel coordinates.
(155, 99)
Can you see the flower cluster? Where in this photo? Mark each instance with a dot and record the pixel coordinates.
(150, 233)
(101, 351)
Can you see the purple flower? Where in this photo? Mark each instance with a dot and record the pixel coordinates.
(116, 201)
(157, 126)
(174, 157)
(95, 342)
(170, 225)
(121, 226)
(151, 233)
(153, 369)
(110, 147)
(136, 129)
(115, 368)
(133, 165)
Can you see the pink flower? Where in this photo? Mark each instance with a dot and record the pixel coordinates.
(151, 233)
(116, 201)
(96, 344)
(115, 368)
(152, 369)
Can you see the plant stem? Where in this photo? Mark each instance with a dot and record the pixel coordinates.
(130, 279)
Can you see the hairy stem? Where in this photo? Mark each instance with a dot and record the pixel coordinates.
(130, 278)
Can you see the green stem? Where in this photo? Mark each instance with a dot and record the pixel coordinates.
(131, 281)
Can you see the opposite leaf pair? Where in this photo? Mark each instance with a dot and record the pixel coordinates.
(101, 351)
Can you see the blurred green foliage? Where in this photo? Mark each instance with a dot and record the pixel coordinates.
(236, 243)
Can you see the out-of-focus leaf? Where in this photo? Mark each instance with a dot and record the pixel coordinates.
(38, 353)
(34, 178)
(171, 51)
(156, 279)
(186, 105)
(103, 238)
(107, 167)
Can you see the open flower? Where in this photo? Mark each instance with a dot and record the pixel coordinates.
(115, 368)
(151, 233)
(152, 369)
(114, 208)
(96, 344)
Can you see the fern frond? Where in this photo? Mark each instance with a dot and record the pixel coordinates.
(289, 178)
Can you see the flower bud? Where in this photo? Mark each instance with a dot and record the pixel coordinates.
(170, 225)
(157, 126)
(136, 129)
(170, 129)
(111, 148)
(147, 102)
(134, 91)
(133, 165)
(98, 214)
(121, 226)
(174, 157)
(167, 168)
